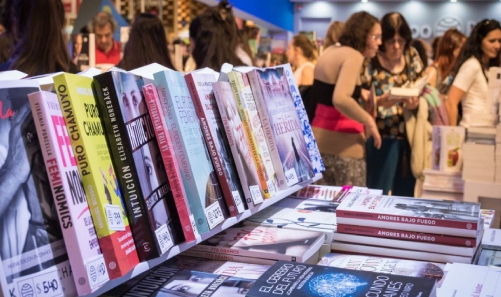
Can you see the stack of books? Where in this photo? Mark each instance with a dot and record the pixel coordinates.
(478, 160)
(489, 253)
(443, 185)
(411, 228)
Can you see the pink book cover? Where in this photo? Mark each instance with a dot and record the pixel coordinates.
(86, 259)
(173, 172)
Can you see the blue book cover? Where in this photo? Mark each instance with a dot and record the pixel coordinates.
(303, 280)
(199, 179)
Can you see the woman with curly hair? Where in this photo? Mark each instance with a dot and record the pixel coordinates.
(481, 51)
(340, 120)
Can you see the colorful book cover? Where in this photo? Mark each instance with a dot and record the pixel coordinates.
(384, 265)
(90, 148)
(86, 259)
(200, 181)
(226, 257)
(237, 140)
(318, 192)
(311, 143)
(135, 154)
(166, 146)
(407, 235)
(254, 132)
(303, 280)
(290, 218)
(200, 86)
(489, 258)
(170, 281)
(265, 242)
(32, 249)
(453, 218)
(275, 104)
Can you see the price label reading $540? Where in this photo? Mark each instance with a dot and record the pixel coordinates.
(214, 215)
(42, 285)
(114, 217)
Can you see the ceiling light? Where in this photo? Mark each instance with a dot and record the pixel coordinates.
(365, 1)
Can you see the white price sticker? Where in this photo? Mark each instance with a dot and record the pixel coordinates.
(114, 217)
(238, 201)
(256, 194)
(194, 226)
(164, 239)
(291, 177)
(46, 284)
(214, 215)
(271, 188)
(97, 272)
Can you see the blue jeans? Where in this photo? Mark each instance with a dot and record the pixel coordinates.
(389, 168)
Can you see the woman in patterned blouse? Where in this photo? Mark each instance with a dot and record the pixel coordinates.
(396, 64)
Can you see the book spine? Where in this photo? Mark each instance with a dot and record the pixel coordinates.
(246, 170)
(313, 150)
(124, 163)
(71, 203)
(92, 155)
(244, 253)
(431, 222)
(250, 137)
(232, 258)
(406, 235)
(267, 129)
(181, 153)
(209, 140)
(172, 169)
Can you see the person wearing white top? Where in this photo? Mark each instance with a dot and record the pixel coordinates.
(470, 87)
(301, 53)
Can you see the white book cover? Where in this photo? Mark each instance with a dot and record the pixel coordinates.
(488, 257)
(407, 91)
(479, 281)
(384, 265)
(492, 239)
(453, 218)
(265, 242)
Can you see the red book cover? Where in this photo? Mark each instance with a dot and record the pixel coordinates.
(173, 172)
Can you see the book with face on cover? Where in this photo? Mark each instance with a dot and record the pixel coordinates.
(32, 248)
(265, 242)
(453, 218)
(71, 202)
(303, 280)
(202, 93)
(200, 181)
(282, 128)
(384, 265)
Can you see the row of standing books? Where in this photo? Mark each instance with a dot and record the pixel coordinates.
(116, 169)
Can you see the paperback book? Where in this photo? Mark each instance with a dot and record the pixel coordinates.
(200, 86)
(90, 148)
(240, 149)
(32, 251)
(303, 280)
(318, 192)
(86, 259)
(200, 181)
(488, 257)
(281, 125)
(135, 154)
(453, 218)
(384, 265)
(308, 204)
(254, 132)
(227, 257)
(264, 242)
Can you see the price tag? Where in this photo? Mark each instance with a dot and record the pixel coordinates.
(291, 177)
(97, 272)
(238, 201)
(271, 188)
(46, 284)
(256, 194)
(114, 217)
(214, 215)
(194, 226)
(164, 239)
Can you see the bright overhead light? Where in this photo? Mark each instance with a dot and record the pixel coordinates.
(454, 1)
(365, 1)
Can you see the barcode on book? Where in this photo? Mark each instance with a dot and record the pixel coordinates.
(47, 284)
(291, 177)
(256, 194)
(164, 239)
(214, 215)
(96, 272)
(238, 201)
(114, 217)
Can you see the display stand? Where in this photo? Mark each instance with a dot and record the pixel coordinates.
(175, 250)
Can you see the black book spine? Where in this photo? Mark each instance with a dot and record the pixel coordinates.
(121, 155)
